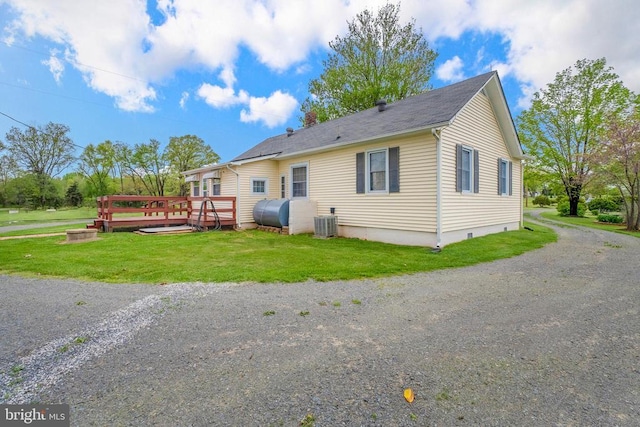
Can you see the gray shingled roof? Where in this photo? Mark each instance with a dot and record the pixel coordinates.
(431, 108)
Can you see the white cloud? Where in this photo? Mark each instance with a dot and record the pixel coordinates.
(121, 53)
(222, 97)
(451, 70)
(273, 111)
(56, 65)
(545, 37)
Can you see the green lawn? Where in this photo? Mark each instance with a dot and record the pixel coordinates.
(239, 256)
(588, 221)
(38, 216)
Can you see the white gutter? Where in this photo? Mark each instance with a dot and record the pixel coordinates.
(238, 225)
(437, 133)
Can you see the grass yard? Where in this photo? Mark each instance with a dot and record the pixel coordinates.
(240, 256)
(36, 216)
(588, 221)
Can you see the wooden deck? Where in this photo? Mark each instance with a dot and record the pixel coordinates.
(135, 212)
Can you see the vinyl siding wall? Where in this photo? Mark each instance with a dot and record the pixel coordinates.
(476, 127)
(260, 169)
(332, 183)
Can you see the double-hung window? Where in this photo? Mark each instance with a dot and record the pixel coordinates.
(378, 171)
(299, 180)
(377, 167)
(196, 189)
(215, 187)
(505, 174)
(468, 169)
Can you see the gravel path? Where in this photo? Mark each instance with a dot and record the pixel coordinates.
(551, 337)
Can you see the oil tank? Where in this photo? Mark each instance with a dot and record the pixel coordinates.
(272, 213)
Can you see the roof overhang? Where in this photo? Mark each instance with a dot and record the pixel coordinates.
(494, 92)
(204, 169)
(253, 159)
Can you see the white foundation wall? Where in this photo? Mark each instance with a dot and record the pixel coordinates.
(417, 238)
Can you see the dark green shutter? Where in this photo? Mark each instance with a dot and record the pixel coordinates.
(394, 170)
(360, 173)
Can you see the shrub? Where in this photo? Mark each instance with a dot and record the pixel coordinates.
(612, 219)
(564, 209)
(542, 201)
(602, 204)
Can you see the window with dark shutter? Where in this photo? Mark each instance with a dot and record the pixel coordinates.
(467, 169)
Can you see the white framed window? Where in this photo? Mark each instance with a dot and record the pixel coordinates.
(215, 187)
(300, 180)
(505, 174)
(467, 169)
(196, 189)
(259, 186)
(377, 171)
(283, 187)
(205, 188)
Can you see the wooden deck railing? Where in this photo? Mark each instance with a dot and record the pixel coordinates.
(129, 211)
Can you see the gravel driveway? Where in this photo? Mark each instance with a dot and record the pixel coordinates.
(551, 337)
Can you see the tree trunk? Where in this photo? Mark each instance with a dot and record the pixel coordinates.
(574, 198)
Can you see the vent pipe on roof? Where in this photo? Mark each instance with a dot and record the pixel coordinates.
(381, 104)
(289, 131)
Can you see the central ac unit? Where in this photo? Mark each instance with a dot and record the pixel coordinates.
(325, 226)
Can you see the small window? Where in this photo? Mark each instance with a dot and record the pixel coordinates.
(196, 189)
(505, 171)
(205, 191)
(259, 186)
(283, 187)
(215, 187)
(299, 180)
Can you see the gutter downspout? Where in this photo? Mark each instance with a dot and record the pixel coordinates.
(238, 225)
(437, 134)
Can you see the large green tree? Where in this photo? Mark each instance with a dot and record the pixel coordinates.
(377, 59)
(96, 164)
(566, 121)
(188, 152)
(43, 151)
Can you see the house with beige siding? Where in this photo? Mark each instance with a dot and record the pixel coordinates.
(429, 170)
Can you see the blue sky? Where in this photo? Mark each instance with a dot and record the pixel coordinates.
(235, 72)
